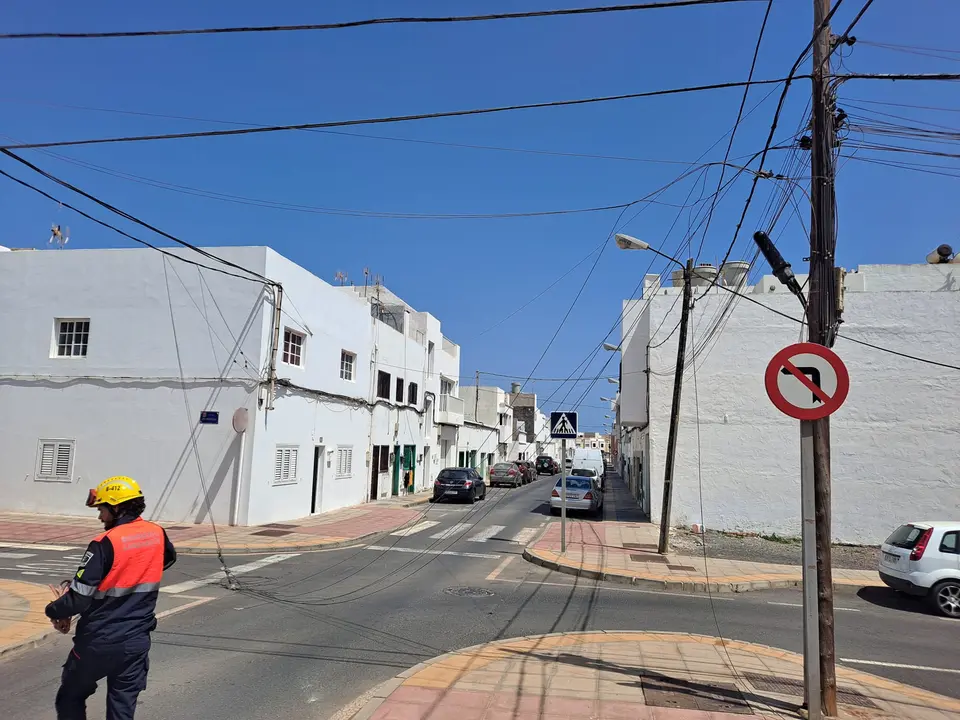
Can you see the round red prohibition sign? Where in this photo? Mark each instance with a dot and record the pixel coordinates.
(807, 381)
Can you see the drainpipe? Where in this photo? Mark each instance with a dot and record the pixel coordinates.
(275, 344)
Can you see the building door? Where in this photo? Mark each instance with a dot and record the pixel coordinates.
(410, 466)
(375, 473)
(316, 499)
(397, 462)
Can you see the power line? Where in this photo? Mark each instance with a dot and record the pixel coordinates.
(397, 118)
(363, 23)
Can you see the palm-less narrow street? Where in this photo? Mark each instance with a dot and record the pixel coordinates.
(307, 635)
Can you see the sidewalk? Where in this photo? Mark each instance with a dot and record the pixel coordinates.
(628, 676)
(22, 621)
(316, 532)
(626, 552)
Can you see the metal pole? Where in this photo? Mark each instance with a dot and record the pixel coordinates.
(663, 547)
(236, 501)
(811, 630)
(563, 496)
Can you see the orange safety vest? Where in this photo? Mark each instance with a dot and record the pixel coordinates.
(137, 559)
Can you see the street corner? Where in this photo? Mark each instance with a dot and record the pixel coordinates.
(22, 620)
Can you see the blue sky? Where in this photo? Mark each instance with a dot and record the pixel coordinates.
(471, 273)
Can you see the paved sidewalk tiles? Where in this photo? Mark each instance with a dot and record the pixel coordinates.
(628, 676)
(22, 621)
(329, 530)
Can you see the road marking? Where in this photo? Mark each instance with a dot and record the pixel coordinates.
(31, 546)
(15, 555)
(414, 529)
(185, 606)
(800, 605)
(525, 536)
(485, 556)
(500, 568)
(486, 533)
(953, 671)
(596, 586)
(218, 576)
(451, 531)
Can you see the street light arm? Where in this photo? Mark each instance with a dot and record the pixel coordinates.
(628, 242)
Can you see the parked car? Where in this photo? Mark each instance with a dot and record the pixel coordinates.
(547, 465)
(506, 473)
(590, 473)
(528, 470)
(583, 494)
(923, 559)
(459, 484)
(590, 458)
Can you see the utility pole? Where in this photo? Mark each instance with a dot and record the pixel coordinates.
(675, 412)
(822, 319)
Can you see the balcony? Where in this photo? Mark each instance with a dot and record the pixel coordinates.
(449, 410)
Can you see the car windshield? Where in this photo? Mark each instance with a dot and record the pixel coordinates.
(584, 472)
(905, 536)
(503, 466)
(453, 475)
(577, 483)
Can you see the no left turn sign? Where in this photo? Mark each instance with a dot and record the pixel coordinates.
(807, 381)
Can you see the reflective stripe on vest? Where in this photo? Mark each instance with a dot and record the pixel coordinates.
(137, 559)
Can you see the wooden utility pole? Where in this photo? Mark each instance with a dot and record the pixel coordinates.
(822, 319)
(663, 547)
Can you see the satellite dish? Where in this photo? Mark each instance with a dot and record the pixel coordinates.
(943, 254)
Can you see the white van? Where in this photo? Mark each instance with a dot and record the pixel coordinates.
(593, 459)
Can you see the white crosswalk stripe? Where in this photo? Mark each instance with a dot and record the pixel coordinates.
(451, 531)
(414, 529)
(16, 555)
(486, 533)
(525, 536)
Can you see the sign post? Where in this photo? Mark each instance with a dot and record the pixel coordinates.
(808, 381)
(563, 425)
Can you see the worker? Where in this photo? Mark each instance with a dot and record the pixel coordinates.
(115, 594)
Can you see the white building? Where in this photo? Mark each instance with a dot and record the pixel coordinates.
(893, 441)
(593, 441)
(129, 362)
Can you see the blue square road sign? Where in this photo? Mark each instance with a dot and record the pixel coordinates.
(563, 425)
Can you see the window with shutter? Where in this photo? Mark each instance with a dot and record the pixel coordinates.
(285, 465)
(55, 460)
(344, 462)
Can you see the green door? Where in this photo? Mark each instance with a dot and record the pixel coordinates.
(410, 466)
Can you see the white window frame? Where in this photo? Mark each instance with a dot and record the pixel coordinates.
(51, 470)
(344, 467)
(285, 462)
(286, 355)
(348, 366)
(55, 340)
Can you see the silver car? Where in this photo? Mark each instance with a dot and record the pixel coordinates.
(507, 473)
(583, 494)
(590, 473)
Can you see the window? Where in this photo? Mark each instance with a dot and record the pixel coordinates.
(347, 361)
(55, 460)
(446, 387)
(344, 462)
(72, 337)
(293, 347)
(285, 467)
(950, 543)
(383, 385)
(400, 390)
(412, 394)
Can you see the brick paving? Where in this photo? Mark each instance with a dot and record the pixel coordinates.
(332, 529)
(627, 676)
(22, 620)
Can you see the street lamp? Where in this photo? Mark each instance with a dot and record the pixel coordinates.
(603, 399)
(611, 348)
(626, 242)
(613, 381)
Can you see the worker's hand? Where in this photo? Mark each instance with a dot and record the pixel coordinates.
(63, 625)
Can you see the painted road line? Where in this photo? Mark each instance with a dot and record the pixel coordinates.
(16, 555)
(451, 531)
(414, 529)
(877, 663)
(525, 536)
(484, 556)
(31, 546)
(800, 605)
(486, 533)
(185, 606)
(614, 588)
(500, 568)
(218, 576)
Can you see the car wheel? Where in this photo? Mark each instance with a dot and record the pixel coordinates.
(473, 497)
(945, 598)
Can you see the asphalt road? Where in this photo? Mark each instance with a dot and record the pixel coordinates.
(307, 634)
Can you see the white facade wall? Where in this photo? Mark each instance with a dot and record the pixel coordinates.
(890, 440)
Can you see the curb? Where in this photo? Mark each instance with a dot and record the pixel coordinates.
(28, 644)
(675, 585)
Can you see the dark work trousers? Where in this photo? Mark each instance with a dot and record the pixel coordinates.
(126, 674)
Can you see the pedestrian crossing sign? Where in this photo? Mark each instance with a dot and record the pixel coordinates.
(563, 425)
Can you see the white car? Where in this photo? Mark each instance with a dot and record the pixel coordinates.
(923, 558)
